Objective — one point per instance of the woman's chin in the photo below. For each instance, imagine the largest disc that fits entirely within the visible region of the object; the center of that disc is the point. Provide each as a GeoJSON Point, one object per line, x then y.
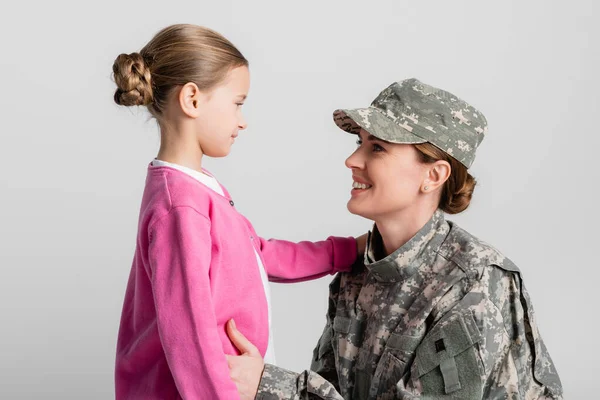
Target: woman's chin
{"type": "Point", "coordinates": [357, 209]}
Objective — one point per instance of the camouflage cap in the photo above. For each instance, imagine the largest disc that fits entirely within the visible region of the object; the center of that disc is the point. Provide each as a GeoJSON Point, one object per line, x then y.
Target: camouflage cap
{"type": "Point", "coordinates": [410, 111]}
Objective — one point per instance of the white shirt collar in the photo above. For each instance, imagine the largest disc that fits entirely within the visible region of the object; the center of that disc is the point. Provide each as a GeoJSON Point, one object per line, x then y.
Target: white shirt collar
{"type": "Point", "coordinates": [202, 177]}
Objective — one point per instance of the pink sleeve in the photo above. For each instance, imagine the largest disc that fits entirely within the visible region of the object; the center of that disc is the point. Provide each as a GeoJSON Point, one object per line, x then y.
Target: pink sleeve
{"type": "Point", "coordinates": [180, 255]}
{"type": "Point", "coordinates": [295, 262]}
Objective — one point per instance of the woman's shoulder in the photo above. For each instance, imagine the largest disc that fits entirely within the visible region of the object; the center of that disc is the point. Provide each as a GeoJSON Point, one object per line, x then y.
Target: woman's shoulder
{"type": "Point", "coordinates": [473, 254]}
{"type": "Point", "coordinates": [490, 274]}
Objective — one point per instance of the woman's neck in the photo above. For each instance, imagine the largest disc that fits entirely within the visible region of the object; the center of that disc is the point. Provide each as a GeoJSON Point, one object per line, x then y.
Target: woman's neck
{"type": "Point", "coordinates": [397, 230]}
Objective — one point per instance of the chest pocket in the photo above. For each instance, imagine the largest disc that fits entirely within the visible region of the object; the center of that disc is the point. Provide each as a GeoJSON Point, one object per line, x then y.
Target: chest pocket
{"type": "Point", "coordinates": [347, 336]}
{"type": "Point", "coordinates": [447, 361]}
{"type": "Point", "coordinates": [392, 366]}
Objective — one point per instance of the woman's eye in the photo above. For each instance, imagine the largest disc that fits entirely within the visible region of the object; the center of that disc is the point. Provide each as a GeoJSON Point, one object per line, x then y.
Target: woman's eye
{"type": "Point", "coordinates": [377, 148]}
{"type": "Point", "coordinates": [358, 142]}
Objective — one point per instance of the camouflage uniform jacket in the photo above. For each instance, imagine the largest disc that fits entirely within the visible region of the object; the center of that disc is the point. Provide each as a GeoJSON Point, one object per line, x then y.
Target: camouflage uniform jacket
{"type": "Point", "coordinates": [445, 316]}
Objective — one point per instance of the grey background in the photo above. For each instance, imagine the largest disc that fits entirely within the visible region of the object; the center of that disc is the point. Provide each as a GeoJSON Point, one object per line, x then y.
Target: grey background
{"type": "Point", "coordinates": [73, 163]}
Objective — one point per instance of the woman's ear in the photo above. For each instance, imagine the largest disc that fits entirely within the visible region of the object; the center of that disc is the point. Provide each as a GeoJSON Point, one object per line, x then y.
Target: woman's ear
{"type": "Point", "coordinates": [190, 98]}
{"type": "Point", "coordinates": [437, 174]}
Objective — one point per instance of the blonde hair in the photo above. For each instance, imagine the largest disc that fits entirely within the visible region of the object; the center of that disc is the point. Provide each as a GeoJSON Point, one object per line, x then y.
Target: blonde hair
{"type": "Point", "coordinates": [176, 55]}
{"type": "Point", "coordinates": [458, 189]}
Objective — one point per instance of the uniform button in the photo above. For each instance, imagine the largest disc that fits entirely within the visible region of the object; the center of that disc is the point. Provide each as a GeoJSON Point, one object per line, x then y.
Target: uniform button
{"type": "Point", "coordinates": [231, 202]}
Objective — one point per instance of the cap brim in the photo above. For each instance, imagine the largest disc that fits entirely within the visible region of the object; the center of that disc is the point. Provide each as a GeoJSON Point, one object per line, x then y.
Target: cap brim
{"type": "Point", "coordinates": [373, 121]}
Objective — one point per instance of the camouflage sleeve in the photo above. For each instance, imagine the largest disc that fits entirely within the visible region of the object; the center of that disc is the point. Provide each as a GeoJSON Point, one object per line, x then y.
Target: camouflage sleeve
{"type": "Point", "coordinates": [280, 384]}
{"type": "Point", "coordinates": [277, 383]}
{"type": "Point", "coordinates": [320, 382]}
{"type": "Point", "coordinates": [516, 361]}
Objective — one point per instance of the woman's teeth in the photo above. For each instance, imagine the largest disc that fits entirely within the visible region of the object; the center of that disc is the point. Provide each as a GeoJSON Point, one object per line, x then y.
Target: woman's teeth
{"type": "Point", "coordinates": [357, 185]}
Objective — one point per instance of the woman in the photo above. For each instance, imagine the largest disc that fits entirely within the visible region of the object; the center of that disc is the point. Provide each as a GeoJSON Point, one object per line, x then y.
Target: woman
{"type": "Point", "coordinates": [434, 312]}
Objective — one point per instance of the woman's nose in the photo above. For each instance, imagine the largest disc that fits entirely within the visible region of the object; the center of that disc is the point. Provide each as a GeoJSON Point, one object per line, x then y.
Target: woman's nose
{"type": "Point", "coordinates": [355, 160]}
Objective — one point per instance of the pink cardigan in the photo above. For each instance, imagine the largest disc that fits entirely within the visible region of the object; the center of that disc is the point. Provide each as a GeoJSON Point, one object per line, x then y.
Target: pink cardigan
{"type": "Point", "coordinates": [194, 269]}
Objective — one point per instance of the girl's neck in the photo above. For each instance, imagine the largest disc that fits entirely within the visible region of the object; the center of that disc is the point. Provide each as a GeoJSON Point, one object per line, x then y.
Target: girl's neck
{"type": "Point", "coordinates": [180, 149]}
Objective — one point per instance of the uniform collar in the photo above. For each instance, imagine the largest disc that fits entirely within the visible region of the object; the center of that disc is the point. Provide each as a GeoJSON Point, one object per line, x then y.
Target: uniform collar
{"type": "Point", "coordinates": [406, 260]}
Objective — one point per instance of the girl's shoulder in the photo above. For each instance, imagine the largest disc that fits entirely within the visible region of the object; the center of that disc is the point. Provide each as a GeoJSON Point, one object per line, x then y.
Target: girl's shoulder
{"type": "Point", "coordinates": [175, 188]}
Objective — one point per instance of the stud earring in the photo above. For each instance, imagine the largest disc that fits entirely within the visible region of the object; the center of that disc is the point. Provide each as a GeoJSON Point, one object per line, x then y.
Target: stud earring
{"type": "Point", "coordinates": [426, 188]}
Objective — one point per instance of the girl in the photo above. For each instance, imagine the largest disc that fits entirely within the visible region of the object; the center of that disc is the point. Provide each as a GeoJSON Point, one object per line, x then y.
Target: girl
{"type": "Point", "coordinates": [198, 263]}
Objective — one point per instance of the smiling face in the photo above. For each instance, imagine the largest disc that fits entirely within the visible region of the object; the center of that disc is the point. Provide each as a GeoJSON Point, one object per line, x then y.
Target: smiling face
{"type": "Point", "coordinates": [388, 178]}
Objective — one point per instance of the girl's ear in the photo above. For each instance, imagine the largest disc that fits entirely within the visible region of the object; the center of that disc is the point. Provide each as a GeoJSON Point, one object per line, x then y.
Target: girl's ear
{"type": "Point", "coordinates": [190, 99]}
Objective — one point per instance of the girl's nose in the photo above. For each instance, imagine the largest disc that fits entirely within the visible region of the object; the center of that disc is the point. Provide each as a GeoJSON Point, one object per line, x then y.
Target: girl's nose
{"type": "Point", "coordinates": [242, 124]}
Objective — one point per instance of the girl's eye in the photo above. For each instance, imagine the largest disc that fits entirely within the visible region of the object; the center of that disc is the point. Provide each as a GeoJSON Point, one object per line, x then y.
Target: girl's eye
{"type": "Point", "coordinates": [377, 148]}
{"type": "Point", "coordinates": [358, 142]}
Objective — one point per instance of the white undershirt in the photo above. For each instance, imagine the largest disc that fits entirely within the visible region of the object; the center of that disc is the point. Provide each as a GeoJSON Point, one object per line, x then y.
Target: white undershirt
{"type": "Point", "coordinates": [213, 184]}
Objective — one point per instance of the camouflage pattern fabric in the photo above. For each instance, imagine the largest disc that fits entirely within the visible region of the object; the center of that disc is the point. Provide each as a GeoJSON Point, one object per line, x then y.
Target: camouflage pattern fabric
{"type": "Point", "coordinates": [446, 316]}
{"type": "Point", "coordinates": [410, 111]}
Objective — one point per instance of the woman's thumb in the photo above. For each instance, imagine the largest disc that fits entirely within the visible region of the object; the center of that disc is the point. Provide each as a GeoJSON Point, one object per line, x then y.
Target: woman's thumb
{"type": "Point", "coordinates": [240, 341]}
